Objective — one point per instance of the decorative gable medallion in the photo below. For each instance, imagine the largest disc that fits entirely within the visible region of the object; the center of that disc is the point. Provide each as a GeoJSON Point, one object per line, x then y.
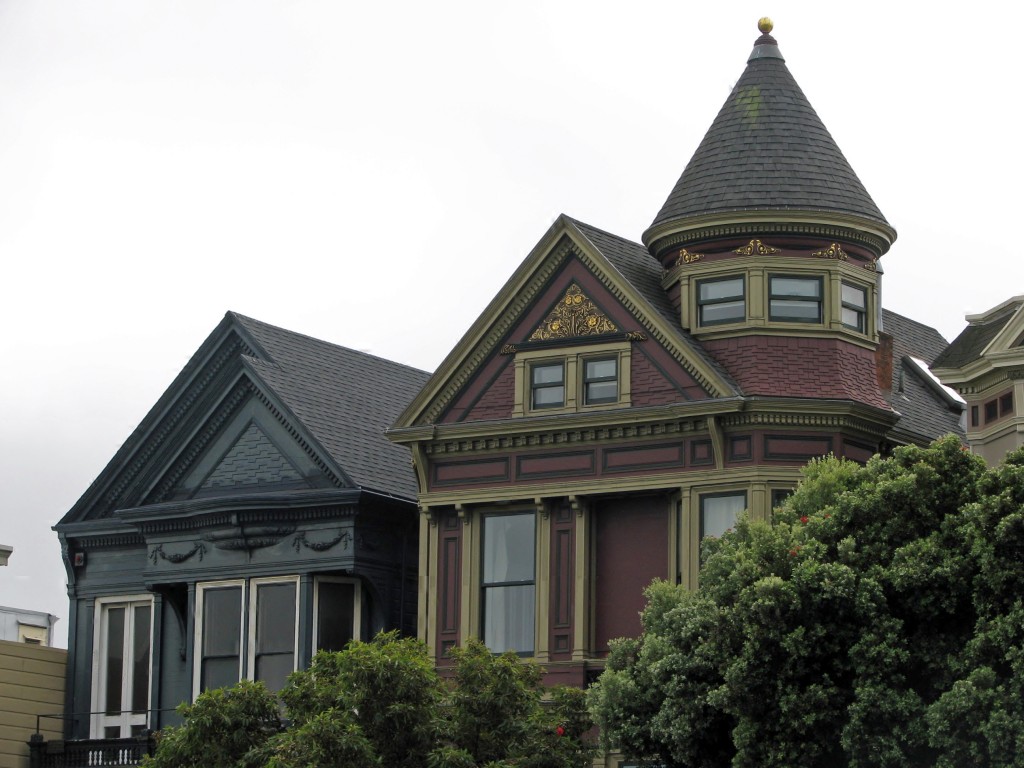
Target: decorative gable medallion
{"type": "Point", "coordinates": [574, 315]}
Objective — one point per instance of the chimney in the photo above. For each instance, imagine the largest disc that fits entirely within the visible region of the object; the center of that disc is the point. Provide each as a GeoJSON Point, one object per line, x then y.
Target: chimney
{"type": "Point", "coordinates": [883, 362]}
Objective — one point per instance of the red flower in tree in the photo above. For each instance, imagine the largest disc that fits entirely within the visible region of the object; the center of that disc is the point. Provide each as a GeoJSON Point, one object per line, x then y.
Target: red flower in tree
{"type": "Point", "coordinates": [560, 730]}
{"type": "Point", "coordinates": [804, 519]}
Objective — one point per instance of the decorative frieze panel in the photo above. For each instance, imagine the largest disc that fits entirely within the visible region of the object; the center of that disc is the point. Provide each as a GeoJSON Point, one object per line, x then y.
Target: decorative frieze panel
{"type": "Point", "coordinates": [574, 315]}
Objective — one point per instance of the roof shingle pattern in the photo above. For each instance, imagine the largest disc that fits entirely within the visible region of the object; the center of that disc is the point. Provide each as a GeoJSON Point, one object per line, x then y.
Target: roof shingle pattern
{"type": "Point", "coordinates": [767, 150]}
{"type": "Point", "coordinates": [346, 399]}
{"type": "Point", "coordinates": [972, 341]}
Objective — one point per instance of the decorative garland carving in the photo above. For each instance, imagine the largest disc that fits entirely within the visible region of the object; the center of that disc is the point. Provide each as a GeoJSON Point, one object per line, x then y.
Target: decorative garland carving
{"type": "Point", "coordinates": [257, 538]}
{"type": "Point", "coordinates": [685, 257]}
{"type": "Point", "coordinates": [574, 315]}
{"type": "Point", "coordinates": [509, 349]}
{"type": "Point", "coordinates": [158, 553]}
{"type": "Point", "coordinates": [322, 546]}
{"type": "Point", "coordinates": [756, 247]}
{"type": "Point", "coordinates": [872, 265]}
{"type": "Point", "coordinates": [834, 251]}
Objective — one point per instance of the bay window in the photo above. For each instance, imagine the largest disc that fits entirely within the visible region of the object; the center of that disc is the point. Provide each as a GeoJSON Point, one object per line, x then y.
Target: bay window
{"type": "Point", "coordinates": [719, 512]}
{"type": "Point", "coordinates": [855, 304]}
{"type": "Point", "coordinates": [721, 301]}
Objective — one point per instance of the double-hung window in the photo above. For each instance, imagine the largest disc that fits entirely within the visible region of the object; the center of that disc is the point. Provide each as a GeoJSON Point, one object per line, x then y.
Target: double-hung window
{"type": "Point", "coordinates": [272, 608]}
{"type": "Point", "coordinates": [719, 512]}
{"type": "Point", "coordinates": [601, 380]}
{"type": "Point", "coordinates": [795, 299]}
{"type": "Point", "coordinates": [508, 582]}
{"type": "Point", "coordinates": [547, 385]}
{"type": "Point", "coordinates": [855, 305]}
{"type": "Point", "coordinates": [721, 301]}
{"type": "Point", "coordinates": [122, 667]}
{"type": "Point", "coordinates": [219, 646]}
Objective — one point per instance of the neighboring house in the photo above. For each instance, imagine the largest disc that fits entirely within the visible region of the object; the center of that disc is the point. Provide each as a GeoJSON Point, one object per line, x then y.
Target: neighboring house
{"type": "Point", "coordinates": [19, 625]}
{"type": "Point", "coordinates": [618, 402]}
{"type": "Point", "coordinates": [31, 687]}
{"type": "Point", "coordinates": [5, 553]}
{"type": "Point", "coordinates": [256, 515]}
{"type": "Point", "coordinates": [985, 364]}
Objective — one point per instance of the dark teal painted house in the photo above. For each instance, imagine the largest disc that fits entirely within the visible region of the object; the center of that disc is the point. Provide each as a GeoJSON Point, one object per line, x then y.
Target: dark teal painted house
{"type": "Point", "coordinates": [256, 515]}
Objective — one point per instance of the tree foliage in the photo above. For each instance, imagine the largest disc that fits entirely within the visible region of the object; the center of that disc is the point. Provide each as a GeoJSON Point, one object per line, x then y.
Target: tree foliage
{"type": "Point", "coordinates": [878, 621]}
{"type": "Point", "coordinates": [383, 704]}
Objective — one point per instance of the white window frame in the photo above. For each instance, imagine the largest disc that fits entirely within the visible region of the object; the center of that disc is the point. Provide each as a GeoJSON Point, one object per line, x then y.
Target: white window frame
{"type": "Point", "coordinates": [249, 621]}
{"type": "Point", "coordinates": [357, 606]}
{"type": "Point", "coordinates": [197, 646]}
{"type": "Point", "coordinates": [125, 720]}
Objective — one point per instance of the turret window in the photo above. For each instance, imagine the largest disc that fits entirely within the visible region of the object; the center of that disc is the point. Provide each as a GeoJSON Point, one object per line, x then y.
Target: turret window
{"type": "Point", "coordinates": [721, 301]}
{"type": "Point", "coordinates": [855, 303]}
{"type": "Point", "coordinates": [795, 299]}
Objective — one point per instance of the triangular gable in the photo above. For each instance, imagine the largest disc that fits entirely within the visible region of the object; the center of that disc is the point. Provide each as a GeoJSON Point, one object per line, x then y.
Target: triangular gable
{"type": "Point", "coordinates": [525, 293]}
{"type": "Point", "coordinates": [1011, 337]}
{"type": "Point", "coordinates": [217, 413]}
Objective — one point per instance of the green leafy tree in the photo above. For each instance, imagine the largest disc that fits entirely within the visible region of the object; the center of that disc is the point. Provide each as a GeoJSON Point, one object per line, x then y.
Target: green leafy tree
{"type": "Point", "coordinates": [382, 704]}
{"type": "Point", "coordinates": [876, 622]}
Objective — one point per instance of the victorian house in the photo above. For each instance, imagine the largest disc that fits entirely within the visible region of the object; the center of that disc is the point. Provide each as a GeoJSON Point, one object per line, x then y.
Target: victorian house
{"type": "Point", "coordinates": [257, 514]}
{"type": "Point", "coordinates": [619, 401]}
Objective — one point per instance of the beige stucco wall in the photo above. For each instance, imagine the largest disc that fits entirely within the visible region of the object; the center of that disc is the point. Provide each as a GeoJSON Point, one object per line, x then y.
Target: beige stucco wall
{"type": "Point", "coordinates": [31, 683]}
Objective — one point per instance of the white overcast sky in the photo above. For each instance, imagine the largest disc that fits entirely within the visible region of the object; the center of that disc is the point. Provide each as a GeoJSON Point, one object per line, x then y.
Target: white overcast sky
{"type": "Point", "coordinates": [370, 173]}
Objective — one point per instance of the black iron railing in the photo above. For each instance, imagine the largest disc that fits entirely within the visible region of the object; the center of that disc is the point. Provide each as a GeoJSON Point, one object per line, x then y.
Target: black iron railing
{"type": "Point", "coordinates": [87, 753]}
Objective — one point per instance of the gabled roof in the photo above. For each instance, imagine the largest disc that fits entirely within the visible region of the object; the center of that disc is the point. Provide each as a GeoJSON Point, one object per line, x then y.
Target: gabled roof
{"type": "Point", "coordinates": [976, 338]}
{"type": "Point", "coordinates": [628, 266]}
{"type": "Point", "coordinates": [345, 398]}
{"type": "Point", "coordinates": [767, 150]}
{"type": "Point", "coordinates": [335, 401]}
{"type": "Point", "coordinates": [925, 412]}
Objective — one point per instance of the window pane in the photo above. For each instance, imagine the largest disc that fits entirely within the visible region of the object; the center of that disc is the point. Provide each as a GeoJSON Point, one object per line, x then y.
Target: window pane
{"type": "Point", "coordinates": [721, 289]}
{"type": "Point", "coordinates": [548, 397]}
{"type": "Point", "coordinates": [602, 392]}
{"type": "Point", "coordinates": [853, 319]}
{"type": "Point", "coordinates": [114, 660]}
{"type": "Point", "coordinates": [508, 619]}
{"type": "Point", "coordinates": [548, 374]}
{"type": "Point", "coordinates": [601, 369]}
{"type": "Point", "coordinates": [795, 286]}
{"type": "Point", "coordinates": [140, 660]}
{"type": "Point", "coordinates": [222, 621]}
{"type": "Point", "coordinates": [219, 672]}
{"type": "Point", "coordinates": [720, 313]}
{"type": "Point", "coordinates": [273, 669]}
{"type": "Point", "coordinates": [275, 618]}
{"type": "Point", "coordinates": [797, 310]}
{"type": "Point", "coordinates": [855, 297]}
{"type": "Point", "coordinates": [719, 513]}
{"type": "Point", "coordinates": [508, 548]}
{"type": "Point", "coordinates": [335, 612]}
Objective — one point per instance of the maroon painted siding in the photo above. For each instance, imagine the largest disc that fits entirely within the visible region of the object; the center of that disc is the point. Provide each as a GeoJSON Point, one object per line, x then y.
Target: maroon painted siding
{"type": "Point", "coordinates": [657, 379]}
{"type": "Point", "coordinates": [795, 367]}
{"type": "Point", "coordinates": [630, 550]}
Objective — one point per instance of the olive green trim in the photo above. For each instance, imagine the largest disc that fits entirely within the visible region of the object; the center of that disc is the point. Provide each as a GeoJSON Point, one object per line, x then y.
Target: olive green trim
{"type": "Point", "coordinates": [668, 482]}
{"type": "Point", "coordinates": [875, 235]}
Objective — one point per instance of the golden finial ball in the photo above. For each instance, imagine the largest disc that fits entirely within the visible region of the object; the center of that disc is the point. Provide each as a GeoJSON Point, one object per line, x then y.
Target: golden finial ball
{"type": "Point", "coordinates": [765, 25]}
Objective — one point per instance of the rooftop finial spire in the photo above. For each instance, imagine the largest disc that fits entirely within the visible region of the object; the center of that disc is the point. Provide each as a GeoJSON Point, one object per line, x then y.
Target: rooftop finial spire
{"type": "Point", "coordinates": [765, 25]}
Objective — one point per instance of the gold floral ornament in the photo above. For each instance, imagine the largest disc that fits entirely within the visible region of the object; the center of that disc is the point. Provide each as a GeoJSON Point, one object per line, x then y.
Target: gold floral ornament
{"type": "Point", "coordinates": [574, 315]}
{"type": "Point", "coordinates": [756, 246]}
{"type": "Point", "coordinates": [685, 257]}
{"type": "Point", "coordinates": [834, 251]}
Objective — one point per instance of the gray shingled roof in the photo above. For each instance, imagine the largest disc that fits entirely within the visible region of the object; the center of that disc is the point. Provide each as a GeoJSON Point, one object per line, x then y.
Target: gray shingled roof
{"type": "Point", "coordinates": [346, 399]}
{"type": "Point", "coordinates": [924, 413]}
{"type": "Point", "coordinates": [767, 149]}
{"type": "Point", "coordinates": [644, 272]}
{"type": "Point", "coordinates": [968, 346]}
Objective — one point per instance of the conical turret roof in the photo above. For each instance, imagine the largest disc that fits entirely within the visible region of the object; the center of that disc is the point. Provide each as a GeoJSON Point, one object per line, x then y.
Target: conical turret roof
{"type": "Point", "coordinates": [767, 151]}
